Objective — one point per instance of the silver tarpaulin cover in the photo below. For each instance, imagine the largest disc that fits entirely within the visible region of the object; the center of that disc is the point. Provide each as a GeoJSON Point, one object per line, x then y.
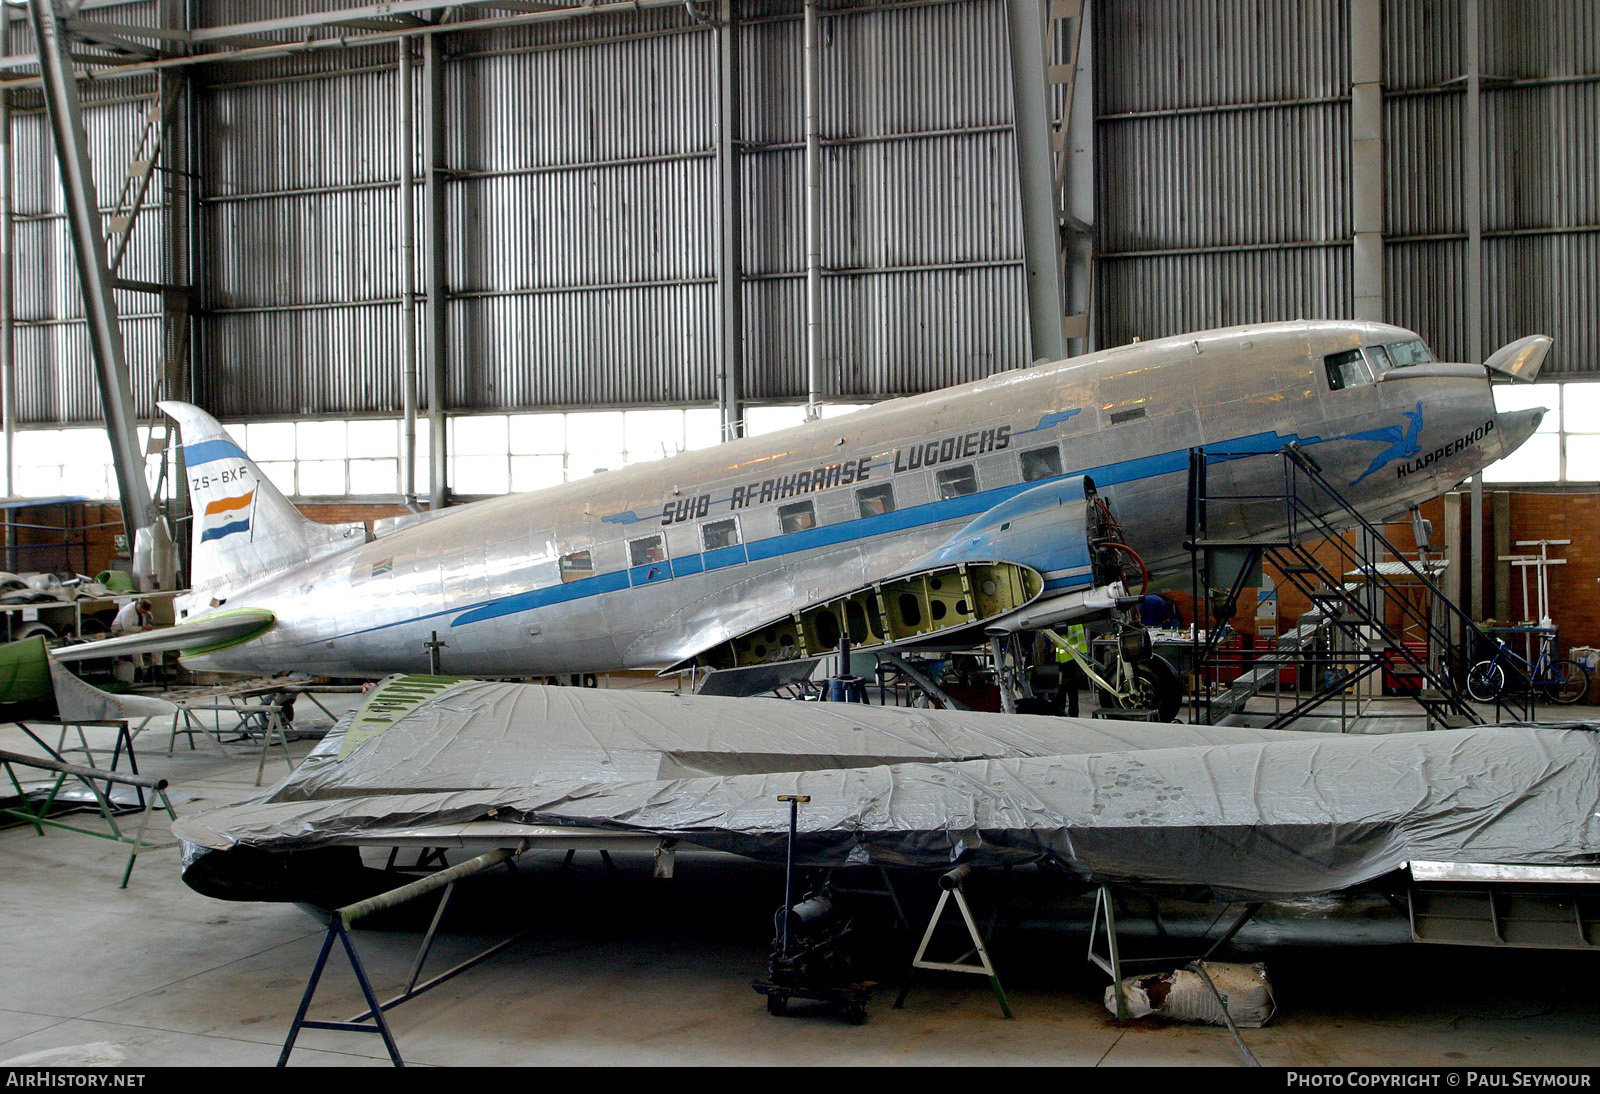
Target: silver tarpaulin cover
{"type": "Point", "coordinates": [1237, 810]}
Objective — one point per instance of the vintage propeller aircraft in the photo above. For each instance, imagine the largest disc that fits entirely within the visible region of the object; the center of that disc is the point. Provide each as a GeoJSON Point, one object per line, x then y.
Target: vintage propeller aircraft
{"type": "Point", "coordinates": [979, 510]}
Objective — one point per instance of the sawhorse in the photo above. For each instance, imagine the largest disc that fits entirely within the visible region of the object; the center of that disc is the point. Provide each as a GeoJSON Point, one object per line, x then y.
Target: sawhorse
{"type": "Point", "coordinates": [90, 777]}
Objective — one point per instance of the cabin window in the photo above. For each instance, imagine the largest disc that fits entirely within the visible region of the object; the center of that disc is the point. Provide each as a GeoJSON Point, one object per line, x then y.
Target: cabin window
{"type": "Point", "coordinates": [956, 482]}
{"type": "Point", "coordinates": [577, 566]}
{"type": "Point", "coordinates": [797, 517]}
{"type": "Point", "coordinates": [649, 549]}
{"type": "Point", "coordinates": [1347, 369]}
{"type": "Point", "coordinates": [1409, 353]}
{"type": "Point", "coordinates": [1041, 463]}
{"type": "Point", "coordinates": [872, 501]}
{"type": "Point", "coordinates": [720, 533]}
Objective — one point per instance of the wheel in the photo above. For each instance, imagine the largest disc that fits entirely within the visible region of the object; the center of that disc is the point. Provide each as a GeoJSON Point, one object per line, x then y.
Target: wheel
{"type": "Point", "coordinates": [777, 1005]}
{"type": "Point", "coordinates": [1157, 687]}
{"type": "Point", "coordinates": [1568, 683]}
{"type": "Point", "coordinates": [1485, 681]}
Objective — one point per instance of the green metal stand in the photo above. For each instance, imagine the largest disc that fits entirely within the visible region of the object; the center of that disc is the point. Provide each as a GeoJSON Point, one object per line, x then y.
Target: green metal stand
{"type": "Point", "coordinates": [91, 777]}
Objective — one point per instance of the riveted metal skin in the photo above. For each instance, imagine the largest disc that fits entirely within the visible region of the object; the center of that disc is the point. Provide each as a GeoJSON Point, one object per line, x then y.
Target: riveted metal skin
{"type": "Point", "coordinates": [655, 564]}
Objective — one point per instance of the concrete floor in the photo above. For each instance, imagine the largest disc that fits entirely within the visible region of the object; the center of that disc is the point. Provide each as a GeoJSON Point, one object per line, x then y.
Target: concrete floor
{"type": "Point", "coordinates": [620, 968]}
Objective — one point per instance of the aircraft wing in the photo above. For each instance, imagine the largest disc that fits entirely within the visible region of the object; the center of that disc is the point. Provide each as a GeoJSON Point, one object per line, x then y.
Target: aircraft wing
{"type": "Point", "coordinates": [197, 636]}
{"type": "Point", "coordinates": [476, 763]}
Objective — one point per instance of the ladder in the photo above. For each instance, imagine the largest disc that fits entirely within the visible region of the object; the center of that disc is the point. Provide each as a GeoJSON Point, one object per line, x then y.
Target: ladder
{"type": "Point", "coordinates": [1313, 517]}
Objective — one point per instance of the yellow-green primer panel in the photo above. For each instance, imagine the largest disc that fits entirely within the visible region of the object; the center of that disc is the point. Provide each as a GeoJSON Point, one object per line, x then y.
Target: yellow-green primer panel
{"type": "Point", "coordinates": [24, 671]}
{"type": "Point", "coordinates": [260, 617]}
{"type": "Point", "coordinates": [392, 699]}
{"type": "Point", "coordinates": [911, 607]}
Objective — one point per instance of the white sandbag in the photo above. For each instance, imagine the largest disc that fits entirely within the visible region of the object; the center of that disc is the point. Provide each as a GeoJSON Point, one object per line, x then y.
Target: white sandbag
{"type": "Point", "coordinates": [1182, 995]}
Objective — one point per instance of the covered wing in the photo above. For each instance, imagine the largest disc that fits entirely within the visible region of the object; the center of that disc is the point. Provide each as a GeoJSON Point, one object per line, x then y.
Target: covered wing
{"type": "Point", "coordinates": [1230, 809]}
{"type": "Point", "coordinates": [202, 635]}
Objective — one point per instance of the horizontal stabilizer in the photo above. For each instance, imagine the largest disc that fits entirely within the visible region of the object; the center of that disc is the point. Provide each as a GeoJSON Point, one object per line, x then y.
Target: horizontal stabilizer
{"type": "Point", "coordinates": [200, 636]}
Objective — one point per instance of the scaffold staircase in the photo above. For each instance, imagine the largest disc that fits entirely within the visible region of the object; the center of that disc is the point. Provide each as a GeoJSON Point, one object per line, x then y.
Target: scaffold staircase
{"type": "Point", "coordinates": [1347, 637]}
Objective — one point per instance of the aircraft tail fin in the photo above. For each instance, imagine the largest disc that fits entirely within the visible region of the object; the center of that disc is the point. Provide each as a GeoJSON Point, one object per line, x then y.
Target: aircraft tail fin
{"type": "Point", "coordinates": [244, 528]}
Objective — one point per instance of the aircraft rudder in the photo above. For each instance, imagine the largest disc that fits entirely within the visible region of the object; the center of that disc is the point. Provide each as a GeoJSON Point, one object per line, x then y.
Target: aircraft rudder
{"type": "Point", "coordinates": [244, 527]}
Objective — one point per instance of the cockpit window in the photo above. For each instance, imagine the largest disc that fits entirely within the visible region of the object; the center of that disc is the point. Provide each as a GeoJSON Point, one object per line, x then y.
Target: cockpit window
{"type": "Point", "coordinates": [1347, 369]}
{"type": "Point", "coordinates": [1378, 358]}
{"type": "Point", "coordinates": [1409, 353]}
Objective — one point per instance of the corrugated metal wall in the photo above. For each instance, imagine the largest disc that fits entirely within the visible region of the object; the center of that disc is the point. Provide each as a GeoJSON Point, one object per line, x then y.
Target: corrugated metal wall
{"type": "Point", "coordinates": [582, 200]}
{"type": "Point", "coordinates": [1223, 131]}
{"type": "Point", "coordinates": [1223, 139]}
{"type": "Point", "coordinates": [582, 215]}
{"type": "Point", "coordinates": [55, 369]}
{"type": "Point", "coordinates": [1541, 113]}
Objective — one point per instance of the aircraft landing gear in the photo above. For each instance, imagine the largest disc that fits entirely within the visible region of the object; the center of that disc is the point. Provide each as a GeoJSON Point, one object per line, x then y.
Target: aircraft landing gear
{"type": "Point", "coordinates": [1155, 686]}
{"type": "Point", "coordinates": [1135, 678]}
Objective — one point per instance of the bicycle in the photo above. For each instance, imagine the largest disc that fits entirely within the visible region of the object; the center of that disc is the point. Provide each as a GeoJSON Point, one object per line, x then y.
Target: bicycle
{"type": "Point", "coordinates": [1558, 679]}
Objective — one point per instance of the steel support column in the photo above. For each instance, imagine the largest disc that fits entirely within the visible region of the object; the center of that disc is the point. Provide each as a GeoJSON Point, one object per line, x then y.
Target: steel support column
{"type": "Point", "coordinates": [730, 304]}
{"type": "Point", "coordinates": [8, 363]}
{"type": "Point", "coordinates": [406, 211]}
{"type": "Point", "coordinates": [1366, 156]}
{"type": "Point", "coordinates": [83, 215]}
{"type": "Point", "coordinates": [180, 210]}
{"type": "Point", "coordinates": [436, 270]}
{"type": "Point", "coordinates": [813, 168]}
{"type": "Point", "coordinates": [1472, 161]}
{"type": "Point", "coordinates": [1041, 211]}
{"type": "Point", "coordinates": [1074, 143]}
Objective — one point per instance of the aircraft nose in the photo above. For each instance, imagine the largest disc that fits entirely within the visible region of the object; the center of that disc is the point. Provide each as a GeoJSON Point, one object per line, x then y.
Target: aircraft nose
{"type": "Point", "coordinates": [1515, 426]}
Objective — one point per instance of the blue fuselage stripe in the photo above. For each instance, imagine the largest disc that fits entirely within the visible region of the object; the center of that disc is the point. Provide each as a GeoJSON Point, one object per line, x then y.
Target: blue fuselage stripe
{"type": "Point", "coordinates": [811, 539]}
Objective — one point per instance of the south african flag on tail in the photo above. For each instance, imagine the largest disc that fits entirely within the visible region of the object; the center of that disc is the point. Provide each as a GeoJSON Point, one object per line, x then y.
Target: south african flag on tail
{"type": "Point", "coordinates": [225, 516]}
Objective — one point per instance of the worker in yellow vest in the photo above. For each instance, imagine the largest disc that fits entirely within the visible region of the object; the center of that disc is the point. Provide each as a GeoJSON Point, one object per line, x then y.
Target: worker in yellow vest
{"type": "Point", "coordinates": [1072, 678]}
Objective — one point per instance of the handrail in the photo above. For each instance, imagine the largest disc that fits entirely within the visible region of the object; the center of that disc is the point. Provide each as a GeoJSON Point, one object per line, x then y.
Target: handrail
{"type": "Point", "coordinates": [1303, 515]}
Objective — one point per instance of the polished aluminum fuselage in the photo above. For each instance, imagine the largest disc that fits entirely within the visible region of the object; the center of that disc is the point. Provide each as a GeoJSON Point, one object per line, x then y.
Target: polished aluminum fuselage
{"type": "Point", "coordinates": [486, 577]}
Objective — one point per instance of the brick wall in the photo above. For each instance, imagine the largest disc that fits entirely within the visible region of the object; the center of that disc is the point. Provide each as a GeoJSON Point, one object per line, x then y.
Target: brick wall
{"type": "Point", "coordinates": [1575, 587]}
{"type": "Point", "coordinates": [1292, 604]}
{"type": "Point", "coordinates": [101, 522]}
{"type": "Point", "coordinates": [70, 538]}
{"type": "Point", "coordinates": [349, 512]}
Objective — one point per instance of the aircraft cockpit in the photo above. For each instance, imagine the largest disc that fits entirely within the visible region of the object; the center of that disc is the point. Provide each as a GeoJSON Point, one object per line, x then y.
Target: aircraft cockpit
{"type": "Point", "coordinates": [1354, 367]}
